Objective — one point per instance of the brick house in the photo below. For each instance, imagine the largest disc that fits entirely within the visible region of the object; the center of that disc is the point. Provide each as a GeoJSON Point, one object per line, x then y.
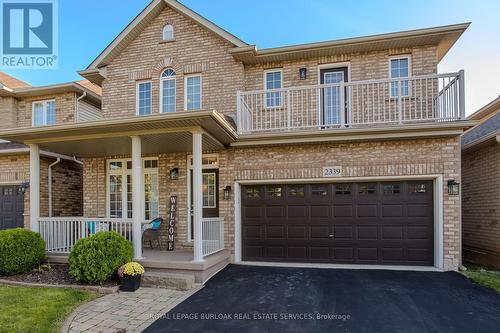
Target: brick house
{"type": "Point", "coordinates": [481, 187]}
{"type": "Point", "coordinates": [61, 177]}
{"type": "Point", "coordinates": [336, 152]}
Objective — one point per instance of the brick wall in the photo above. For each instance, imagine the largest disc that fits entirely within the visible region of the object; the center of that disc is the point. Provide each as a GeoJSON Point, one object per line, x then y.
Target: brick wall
{"type": "Point", "coordinates": [370, 159]}
{"type": "Point", "coordinates": [195, 50]}
{"type": "Point", "coordinates": [65, 108]}
{"type": "Point", "coordinates": [8, 109]}
{"type": "Point", "coordinates": [481, 205]}
{"type": "Point", "coordinates": [66, 184]}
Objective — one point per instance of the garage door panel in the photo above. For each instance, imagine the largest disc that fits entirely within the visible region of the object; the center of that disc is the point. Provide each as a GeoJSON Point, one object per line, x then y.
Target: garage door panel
{"type": "Point", "coordinates": [367, 210]}
{"type": "Point", "coordinates": [275, 232]}
{"type": "Point", "coordinates": [320, 232]}
{"type": "Point", "coordinates": [370, 223]}
{"type": "Point", "coordinates": [343, 232]}
{"type": "Point", "coordinates": [275, 211]}
{"type": "Point", "coordinates": [366, 232]}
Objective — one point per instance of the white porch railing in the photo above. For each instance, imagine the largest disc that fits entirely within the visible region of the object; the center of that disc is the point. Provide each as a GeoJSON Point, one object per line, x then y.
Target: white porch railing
{"type": "Point", "coordinates": [61, 233]}
{"type": "Point", "coordinates": [212, 235]}
{"type": "Point", "coordinates": [418, 99]}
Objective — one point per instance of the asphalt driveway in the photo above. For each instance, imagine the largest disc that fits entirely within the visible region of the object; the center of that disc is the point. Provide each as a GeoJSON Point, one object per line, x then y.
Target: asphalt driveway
{"type": "Point", "coordinates": [272, 299]}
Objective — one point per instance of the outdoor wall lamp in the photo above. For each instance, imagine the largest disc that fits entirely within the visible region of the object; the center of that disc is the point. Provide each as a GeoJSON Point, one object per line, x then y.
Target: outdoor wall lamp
{"type": "Point", "coordinates": [24, 187]}
{"type": "Point", "coordinates": [453, 187]}
{"type": "Point", "coordinates": [303, 73]}
{"type": "Point", "coordinates": [174, 174]}
{"type": "Point", "coordinates": [227, 192]}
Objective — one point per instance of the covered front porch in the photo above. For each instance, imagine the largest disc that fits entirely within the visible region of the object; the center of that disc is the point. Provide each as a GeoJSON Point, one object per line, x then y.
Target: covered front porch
{"type": "Point", "coordinates": [135, 142]}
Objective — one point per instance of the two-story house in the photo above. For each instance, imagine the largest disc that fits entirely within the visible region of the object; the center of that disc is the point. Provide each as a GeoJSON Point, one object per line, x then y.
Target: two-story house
{"type": "Point", "coordinates": [337, 152]}
{"type": "Point", "coordinates": [61, 176]}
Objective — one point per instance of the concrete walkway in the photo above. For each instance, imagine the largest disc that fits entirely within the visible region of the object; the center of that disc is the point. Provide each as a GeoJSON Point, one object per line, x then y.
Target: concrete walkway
{"type": "Point", "coordinates": [124, 311]}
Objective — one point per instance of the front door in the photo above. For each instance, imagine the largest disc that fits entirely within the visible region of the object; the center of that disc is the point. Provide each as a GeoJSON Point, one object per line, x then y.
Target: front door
{"type": "Point", "coordinates": [333, 98]}
{"type": "Point", "coordinates": [210, 194]}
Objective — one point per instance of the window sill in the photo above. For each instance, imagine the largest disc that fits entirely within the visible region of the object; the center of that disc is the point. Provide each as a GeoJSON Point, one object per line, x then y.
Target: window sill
{"type": "Point", "coordinates": [166, 41]}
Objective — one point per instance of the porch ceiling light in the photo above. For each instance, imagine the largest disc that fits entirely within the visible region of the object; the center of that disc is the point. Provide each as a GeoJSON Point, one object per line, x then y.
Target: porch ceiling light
{"type": "Point", "coordinates": [227, 192]}
{"type": "Point", "coordinates": [453, 187]}
{"type": "Point", "coordinates": [174, 174]}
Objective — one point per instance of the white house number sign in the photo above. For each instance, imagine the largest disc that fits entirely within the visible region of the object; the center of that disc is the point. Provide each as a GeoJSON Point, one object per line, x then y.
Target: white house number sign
{"type": "Point", "coordinates": [333, 171]}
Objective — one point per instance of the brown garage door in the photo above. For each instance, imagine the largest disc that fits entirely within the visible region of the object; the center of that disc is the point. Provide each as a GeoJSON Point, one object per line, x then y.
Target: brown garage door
{"type": "Point", "coordinates": [11, 207]}
{"type": "Point", "coordinates": [389, 223]}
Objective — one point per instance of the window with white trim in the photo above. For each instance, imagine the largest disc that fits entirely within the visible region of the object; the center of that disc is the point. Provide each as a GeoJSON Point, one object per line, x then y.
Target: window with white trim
{"type": "Point", "coordinates": [209, 190]}
{"type": "Point", "coordinates": [144, 98]}
{"type": "Point", "coordinates": [44, 113]}
{"type": "Point", "coordinates": [193, 92]}
{"type": "Point", "coordinates": [168, 91]}
{"type": "Point", "coordinates": [120, 178]}
{"type": "Point", "coordinates": [273, 80]}
{"type": "Point", "coordinates": [168, 32]}
{"type": "Point", "coordinates": [400, 68]}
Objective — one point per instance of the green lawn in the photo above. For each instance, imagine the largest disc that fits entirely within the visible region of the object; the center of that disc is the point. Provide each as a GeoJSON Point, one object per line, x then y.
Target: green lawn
{"type": "Point", "coordinates": [485, 276]}
{"type": "Point", "coordinates": [37, 309]}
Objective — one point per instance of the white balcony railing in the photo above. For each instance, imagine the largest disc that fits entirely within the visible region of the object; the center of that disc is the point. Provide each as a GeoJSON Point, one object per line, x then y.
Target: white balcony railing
{"type": "Point", "coordinates": [61, 233]}
{"type": "Point", "coordinates": [212, 235]}
{"type": "Point", "coordinates": [418, 99]}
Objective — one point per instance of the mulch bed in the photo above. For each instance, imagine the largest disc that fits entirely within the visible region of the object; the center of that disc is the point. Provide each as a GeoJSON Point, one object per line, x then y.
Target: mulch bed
{"type": "Point", "coordinates": [58, 275]}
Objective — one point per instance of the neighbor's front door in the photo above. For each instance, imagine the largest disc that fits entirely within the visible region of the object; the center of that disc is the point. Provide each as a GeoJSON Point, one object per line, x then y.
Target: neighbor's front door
{"type": "Point", "coordinates": [333, 98]}
{"type": "Point", "coordinates": [210, 194]}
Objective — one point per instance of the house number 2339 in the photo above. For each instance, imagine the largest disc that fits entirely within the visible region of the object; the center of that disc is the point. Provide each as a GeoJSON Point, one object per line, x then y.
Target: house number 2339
{"type": "Point", "coordinates": [334, 171]}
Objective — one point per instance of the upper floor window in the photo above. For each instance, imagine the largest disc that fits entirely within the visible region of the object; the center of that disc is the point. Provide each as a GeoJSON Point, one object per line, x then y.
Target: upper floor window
{"type": "Point", "coordinates": [167, 91]}
{"type": "Point", "coordinates": [400, 68]}
{"type": "Point", "coordinates": [143, 98]}
{"type": "Point", "coordinates": [168, 32]}
{"type": "Point", "coordinates": [273, 80]}
{"type": "Point", "coordinates": [44, 113]}
{"type": "Point", "coordinates": [193, 92]}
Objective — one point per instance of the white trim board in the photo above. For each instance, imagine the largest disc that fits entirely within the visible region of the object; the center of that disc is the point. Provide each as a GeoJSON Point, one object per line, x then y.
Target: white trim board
{"type": "Point", "coordinates": [437, 198]}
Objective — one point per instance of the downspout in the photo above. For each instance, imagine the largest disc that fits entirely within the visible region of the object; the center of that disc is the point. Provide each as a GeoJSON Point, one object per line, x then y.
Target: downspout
{"type": "Point", "coordinates": [77, 110]}
{"type": "Point", "coordinates": [50, 184]}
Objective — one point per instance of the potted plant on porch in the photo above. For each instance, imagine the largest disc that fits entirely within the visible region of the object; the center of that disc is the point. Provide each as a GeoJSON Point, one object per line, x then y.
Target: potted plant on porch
{"type": "Point", "coordinates": [130, 276]}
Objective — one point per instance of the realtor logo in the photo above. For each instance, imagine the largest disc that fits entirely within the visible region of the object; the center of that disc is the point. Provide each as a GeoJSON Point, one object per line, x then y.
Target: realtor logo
{"type": "Point", "coordinates": [29, 34]}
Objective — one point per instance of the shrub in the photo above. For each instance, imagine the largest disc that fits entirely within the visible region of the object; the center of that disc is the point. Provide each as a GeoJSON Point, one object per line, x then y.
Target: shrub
{"type": "Point", "coordinates": [20, 251]}
{"type": "Point", "coordinates": [97, 258]}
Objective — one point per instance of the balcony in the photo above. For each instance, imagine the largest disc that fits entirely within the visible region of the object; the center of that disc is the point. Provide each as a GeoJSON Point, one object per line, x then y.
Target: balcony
{"type": "Point", "coordinates": [375, 103]}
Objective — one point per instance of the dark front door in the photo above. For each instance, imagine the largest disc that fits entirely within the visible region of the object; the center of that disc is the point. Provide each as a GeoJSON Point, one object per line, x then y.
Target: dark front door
{"type": "Point", "coordinates": [333, 99]}
{"type": "Point", "coordinates": [210, 194]}
{"type": "Point", "coordinates": [385, 223]}
{"type": "Point", "coordinates": [11, 207]}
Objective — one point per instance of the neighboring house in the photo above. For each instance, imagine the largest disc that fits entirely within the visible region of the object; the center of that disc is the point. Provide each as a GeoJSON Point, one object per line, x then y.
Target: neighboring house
{"type": "Point", "coordinates": [331, 152]}
{"type": "Point", "coordinates": [22, 106]}
{"type": "Point", "coordinates": [481, 187]}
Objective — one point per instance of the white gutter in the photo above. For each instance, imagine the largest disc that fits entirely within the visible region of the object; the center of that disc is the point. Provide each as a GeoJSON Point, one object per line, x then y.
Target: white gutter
{"type": "Point", "coordinates": [42, 152]}
{"type": "Point", "coordinates": [50, 184]}
{"type": "Point", "coordinates": [77, 109]}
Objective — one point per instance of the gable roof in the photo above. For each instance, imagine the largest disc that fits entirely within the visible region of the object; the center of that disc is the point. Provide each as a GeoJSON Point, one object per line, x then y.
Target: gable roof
{"type": "Point", "coordinates": [11, 82]}
{"type": "Point", "coordinates": [144, 18]}
{"type": "Point", "coordinates": [487, 110]}
{"type": "Point", "coordinates": [488, 128]}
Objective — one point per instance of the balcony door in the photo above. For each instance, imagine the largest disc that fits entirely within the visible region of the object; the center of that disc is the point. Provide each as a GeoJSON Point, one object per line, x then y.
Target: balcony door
{"type": "Point", "coordinates": [333, 99]}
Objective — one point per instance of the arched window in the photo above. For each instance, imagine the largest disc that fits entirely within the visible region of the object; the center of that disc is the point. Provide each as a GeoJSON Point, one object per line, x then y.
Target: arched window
{"type": "Point", "coordinates": [167, 91]}
{"type": "Point", "coordinates": [168, 32]}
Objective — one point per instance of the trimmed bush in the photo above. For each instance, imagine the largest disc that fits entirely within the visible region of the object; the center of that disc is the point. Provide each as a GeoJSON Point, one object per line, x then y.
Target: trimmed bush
{"type": "Point", "coordinates": [20, 251]}
{"type": "Point", "coordinates": [96, 259]}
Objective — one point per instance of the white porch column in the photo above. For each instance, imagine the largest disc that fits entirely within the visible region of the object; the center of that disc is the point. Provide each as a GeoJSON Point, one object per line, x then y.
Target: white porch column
{"type": "Point", "coordinates": [197, 196]}
{"type": "Point", "coordinates": [34, 186]}
{"type": "Point", "coordinates": [137, 200]}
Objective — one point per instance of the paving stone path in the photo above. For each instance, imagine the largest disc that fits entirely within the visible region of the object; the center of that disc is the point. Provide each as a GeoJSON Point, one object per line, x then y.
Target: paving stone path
{"type": "Point", "coordinates": [124, 311]}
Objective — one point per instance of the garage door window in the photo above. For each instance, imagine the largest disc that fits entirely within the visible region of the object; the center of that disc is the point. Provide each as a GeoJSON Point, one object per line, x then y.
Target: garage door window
{"type": "Point", "coordinates": [417, 188]}
{"type": "Point", "coordinates": [319, 190]}
{"type": "Point", "coordinates": [253, 192]}
{"type": "Point", "coordinates": [367, 189]}
{"type": "Point", "coordinates": [275, 191]}
{"type": "Point", "coordinates": [342, 189]}
{"type": "Point", "coordinates": [392, 189]}
{"type": "Point", "coordinates": [296, 191]}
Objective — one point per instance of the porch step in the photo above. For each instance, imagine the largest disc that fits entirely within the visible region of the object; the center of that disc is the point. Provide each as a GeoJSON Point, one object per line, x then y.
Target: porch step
{"type": "Point", "coordinates": [168, 280]}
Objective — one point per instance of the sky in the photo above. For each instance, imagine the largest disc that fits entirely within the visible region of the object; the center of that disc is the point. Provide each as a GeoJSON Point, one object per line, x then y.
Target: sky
{"type": "Point", "coordinates": [86, 27]}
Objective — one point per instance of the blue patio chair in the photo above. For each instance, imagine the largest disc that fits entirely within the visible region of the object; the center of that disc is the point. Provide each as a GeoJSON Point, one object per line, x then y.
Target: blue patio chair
{"type": "Point", "coordinates": [151, 231]}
